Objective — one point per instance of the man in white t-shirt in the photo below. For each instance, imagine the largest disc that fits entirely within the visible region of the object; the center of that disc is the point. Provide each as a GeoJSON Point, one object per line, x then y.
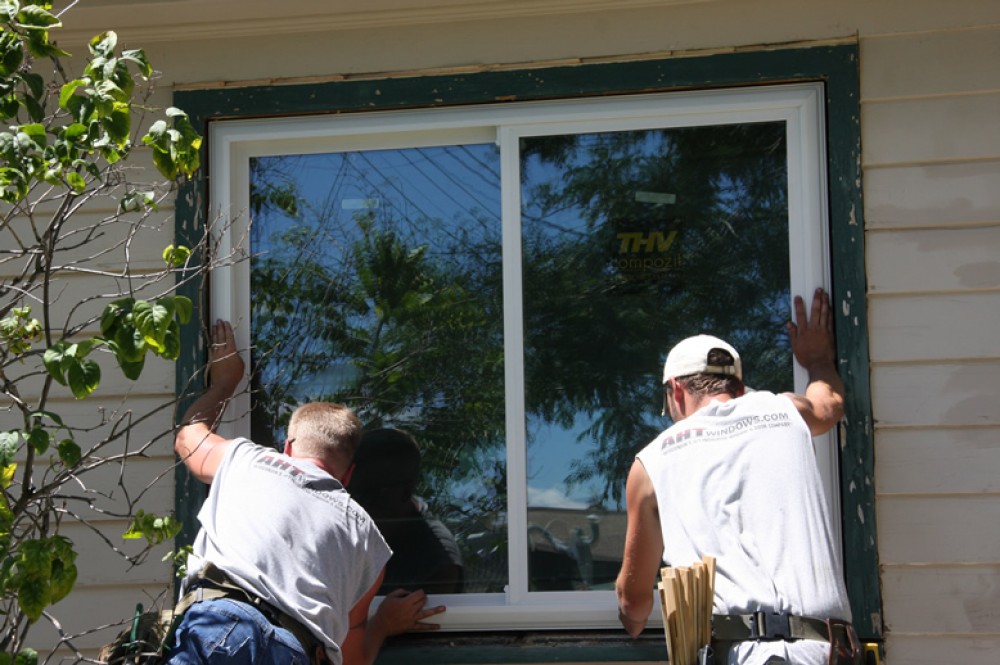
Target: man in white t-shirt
{"type": "Point", "coordinates": [286, 564]}
{"type": "Point", "coordinates": [735, 478]}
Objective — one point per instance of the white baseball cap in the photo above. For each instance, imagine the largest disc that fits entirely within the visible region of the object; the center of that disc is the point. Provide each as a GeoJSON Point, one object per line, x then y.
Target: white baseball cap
{"type": "Point", "coordinates": [690, 356]}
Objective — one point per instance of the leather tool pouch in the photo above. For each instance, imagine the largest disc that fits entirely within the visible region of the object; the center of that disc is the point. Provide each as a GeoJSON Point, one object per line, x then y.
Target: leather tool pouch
{"type": "Point", "coordinates": [845, 648]}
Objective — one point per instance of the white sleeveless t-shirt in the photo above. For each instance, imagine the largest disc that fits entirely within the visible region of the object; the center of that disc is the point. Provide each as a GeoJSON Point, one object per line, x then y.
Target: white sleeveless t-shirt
{"type": "Point", "coordinates": [288, 532]}
{"type": "Point", "coordinates": [738, 480]}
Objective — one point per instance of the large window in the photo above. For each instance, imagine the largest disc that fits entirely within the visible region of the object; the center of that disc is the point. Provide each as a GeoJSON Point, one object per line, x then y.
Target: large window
{"type": "Point", "coordinates": [503, 283]}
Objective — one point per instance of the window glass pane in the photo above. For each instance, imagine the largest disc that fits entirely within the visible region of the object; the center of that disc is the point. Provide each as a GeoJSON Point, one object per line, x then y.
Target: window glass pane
{"type": "Point", "coordinates": [632, 241]}
{"type": "Point", "coordinates": [376, 281]}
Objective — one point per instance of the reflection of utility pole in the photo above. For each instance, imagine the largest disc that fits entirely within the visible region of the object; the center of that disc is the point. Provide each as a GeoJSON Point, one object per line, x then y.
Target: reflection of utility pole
{"type": "Point", "coordinates": [578, 549]}
{"type": "Point", "coordinates": [582, 549]}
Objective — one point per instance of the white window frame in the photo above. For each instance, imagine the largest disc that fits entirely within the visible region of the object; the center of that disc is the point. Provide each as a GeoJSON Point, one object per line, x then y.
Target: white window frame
{"type": "Point", "coordinates": [800, 106]}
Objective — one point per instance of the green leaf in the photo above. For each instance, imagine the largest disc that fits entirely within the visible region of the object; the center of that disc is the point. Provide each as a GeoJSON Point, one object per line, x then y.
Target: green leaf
{"type": "Point", "coordinates": [9, 9]}
{"type": "Point", "coordinates": [132, 369]}
{"type": "Point", "coordinates": [152, 320]}
{"type": "Point", "coordinates": [184, 308]}
{"type": "Point", "coordinates": [70, 453]}
{"type": "Point", "coordinates": [104, 44]}
{"type": "Point", "coordinates": [172, 342]}
{"type": "Point", "coordinates": [151, 527]}
{"type": "Point", "coordinates": [33, 17]}
{"type": "Point", "coordinates": [76, 181]}
{"type": "Point", "coordinates": [35, 110]}
{"type": "Point", "coordinates": [11, 53]}
{"type": "Point", "coordinates": [68, 92]}
{"type": "Point", "coordinates": [74, 131]}
{"type": "Point", "coordinates": [40, 47]}
{"type": "Point", "coordinates": [113, 315]}
{"type": "Point", "coordinates": [135, 201]}
{"type": "Point", "coordinates": [36, 133]}
{"type": "Point", "coordinates": [9, 443]}
{"type": "Point", "coordinates": [33, 595]}
{"type": "Point", "coordinates": [138, 56]}
{"type": "Point", "coordinates": [54, 417]}
{"type": "Point", "coordinates": [118, 124]}
{"type": "Point", "coordinates": [64, 572]}
{"type": "Point", "coordinates": [6, 478]}
{"type": "Point", "coordinates": [35, 83]}
{"type": "Point", "coordinates": [176, 256]}
{"type": "Point", "coordinates": [83, 376]}
{"type": "Point", "coordinates": [26, 656]}
{"type": "Point", "coordinates": [53, 359]}
{"type": "Point", "coordinates": [38, 438]}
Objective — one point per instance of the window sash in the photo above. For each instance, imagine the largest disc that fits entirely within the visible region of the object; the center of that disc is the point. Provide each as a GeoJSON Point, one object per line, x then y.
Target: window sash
{"type": "Point", "coordinates": [799, 106]}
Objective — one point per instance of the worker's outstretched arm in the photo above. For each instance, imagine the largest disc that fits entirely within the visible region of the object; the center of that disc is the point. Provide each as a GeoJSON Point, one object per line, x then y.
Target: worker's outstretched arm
{"type": "Point", "coordinates": [811, 337]}
{"type": "Point", "coordinates": [196, 442]}
{"type": "Point", "coordinates": [399, 612]}
{"type": "Point", "coordinates": [643, 552]}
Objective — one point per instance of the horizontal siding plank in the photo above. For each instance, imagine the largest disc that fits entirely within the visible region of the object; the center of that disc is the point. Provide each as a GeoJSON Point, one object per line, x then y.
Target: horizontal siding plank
{"type": "Point", "coordinates": [99, 565]}
{"type": "Point", "coordinates": [100, 410]}
{"type": "Point", "coordinates": [933, 259]}
{"type": "Point", "coordinates": [941, 650]}
{"type": "Point", "coordinates": [950, 62]}
{"type": "Point", "coordinates": [925, 599]}
{"type": "Point", "coordinates": [928, 327]}
{"type": "Point", "coordinates": [936, 394]}
{"type": "Point", "coordinates": [929, 130]}
{"type": "Point", "coordinates": [934, 461]}
{"type": "Point", "coordinates": [112, 488]}
{"type": "Point", "coordinates": [956, 529]}
{"type": "Point", "coordinates": [932, 195]}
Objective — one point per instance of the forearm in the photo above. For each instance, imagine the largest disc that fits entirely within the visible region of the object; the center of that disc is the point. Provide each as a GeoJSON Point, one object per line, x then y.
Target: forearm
{"type": "Point", "coordinates": [633, 609]}
{"type": "Point", "coordinates": [207, 409]}
{"type": "Point", "coordinates": [363, 643]}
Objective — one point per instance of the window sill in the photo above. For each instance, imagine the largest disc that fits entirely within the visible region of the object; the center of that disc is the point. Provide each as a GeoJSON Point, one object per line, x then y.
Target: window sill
{"type": "Point", "coordinates": [483, 648]}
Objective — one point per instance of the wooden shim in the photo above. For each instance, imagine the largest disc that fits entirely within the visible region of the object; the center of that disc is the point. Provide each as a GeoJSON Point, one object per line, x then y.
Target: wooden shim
{"type": "Point", "coordinates": [665, 609]}
{"type": "Point", "coordinates": [709, 563]}
{"type": "Point", "coordinates": [677, 592]}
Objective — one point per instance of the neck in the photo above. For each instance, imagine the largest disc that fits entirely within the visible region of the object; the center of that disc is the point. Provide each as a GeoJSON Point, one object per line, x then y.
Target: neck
{"type": "Point", "coordinates": [323, 465]}
{"type": "Point", "coordinates": [697, 403]}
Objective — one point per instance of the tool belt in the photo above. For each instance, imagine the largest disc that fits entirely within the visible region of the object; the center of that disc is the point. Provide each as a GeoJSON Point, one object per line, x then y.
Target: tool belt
{"type": "Point", "coordinates": [845, 648]}
{"type": "Point", "coordinates": [212, 583]}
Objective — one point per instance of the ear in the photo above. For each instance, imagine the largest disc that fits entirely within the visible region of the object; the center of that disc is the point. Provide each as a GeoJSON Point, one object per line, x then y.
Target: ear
{"type": "Point", "coordinates": [288, 447]}
{"type": "Point", "coordinates": [681, 398]}
{"type": "Point", "coordinates": [346, 480]}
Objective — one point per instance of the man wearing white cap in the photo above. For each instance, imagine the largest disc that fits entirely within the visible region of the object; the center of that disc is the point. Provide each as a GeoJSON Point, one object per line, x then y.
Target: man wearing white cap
{"type": "Point", "coordinates": [735, 478]}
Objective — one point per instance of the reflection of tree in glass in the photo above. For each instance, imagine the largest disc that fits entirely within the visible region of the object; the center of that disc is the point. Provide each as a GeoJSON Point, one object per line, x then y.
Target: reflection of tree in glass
{"type": "Point", "coordinates": [595, 326]}
{"type": "Point", "coordinates": [361, 314]}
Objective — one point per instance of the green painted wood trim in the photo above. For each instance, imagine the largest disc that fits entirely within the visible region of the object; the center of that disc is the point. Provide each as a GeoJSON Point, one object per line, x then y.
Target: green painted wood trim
{"type": "Point", "coordinates": [190, 493]}
{"type": "Point", "coordinates": [857, 458]}
{"type": "Point", "coordinates": [836, 66]}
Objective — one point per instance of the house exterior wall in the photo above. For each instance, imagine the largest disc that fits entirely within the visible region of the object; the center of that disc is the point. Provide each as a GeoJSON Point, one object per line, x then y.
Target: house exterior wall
{"type": "Point", "coordinates": [930, 158]}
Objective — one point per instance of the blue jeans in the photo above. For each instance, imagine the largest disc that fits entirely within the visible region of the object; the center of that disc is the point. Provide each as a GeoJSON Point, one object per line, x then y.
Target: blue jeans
{"type": "Point", "coordinates": [227, 632]}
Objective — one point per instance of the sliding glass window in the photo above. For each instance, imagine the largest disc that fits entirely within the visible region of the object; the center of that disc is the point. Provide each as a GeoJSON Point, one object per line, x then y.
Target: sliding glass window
{"type": "Point", "coordinates": [502, 282]}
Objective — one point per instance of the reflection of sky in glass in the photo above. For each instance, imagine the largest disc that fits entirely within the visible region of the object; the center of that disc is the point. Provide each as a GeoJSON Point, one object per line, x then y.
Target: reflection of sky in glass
{"type": "Point", "coordinates": [443, 197]}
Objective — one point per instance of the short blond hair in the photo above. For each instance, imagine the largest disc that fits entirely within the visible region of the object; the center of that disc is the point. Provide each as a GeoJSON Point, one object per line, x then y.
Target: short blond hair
{"type": "Point", "coordinates": [324, 428]}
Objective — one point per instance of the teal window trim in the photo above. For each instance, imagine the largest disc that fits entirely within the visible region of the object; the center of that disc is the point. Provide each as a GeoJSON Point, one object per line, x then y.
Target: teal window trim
{"type": "Point", "coordinates": [836, 66]}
